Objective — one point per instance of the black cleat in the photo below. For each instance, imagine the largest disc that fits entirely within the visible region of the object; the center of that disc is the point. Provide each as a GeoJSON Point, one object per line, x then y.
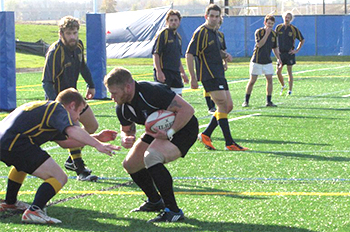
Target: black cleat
{"type": "Point", "coordinates": [270, 104]}
{"type": "Point", "coordinates": [148, 206]}
{"type": "Point", "coordinates": [169, 216]}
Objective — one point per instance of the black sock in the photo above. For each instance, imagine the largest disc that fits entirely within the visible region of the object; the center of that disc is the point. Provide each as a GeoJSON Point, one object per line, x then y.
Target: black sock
{"type": "Point", "coordinates": [12, 192]}
{"type": "Point", "coordinates": [144, 180]}
{"type": "Point", "coordinates": [223, 122]}
{"type": "Point", "coordinates": [164, 183]}
{"type": "Point", "coordinates": [44, 193]}
{"type": "Point", "coordinates": [268, 98]}
{"type": "Point", "coordinates": [211, 127]}
{"type": "Point", "coordinates": [210, 102]}
{"type": "Point", "coordinates": [247, 97]}
{"type": "Point", "coordinates": [79, 163]}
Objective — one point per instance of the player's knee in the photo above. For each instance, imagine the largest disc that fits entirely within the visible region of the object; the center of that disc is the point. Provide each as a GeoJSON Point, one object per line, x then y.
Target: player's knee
{"type": "Point", "coordinates": [92, 128]}
{"type": "Point", "coordinates": [62, 178]}
{"type": "Point", "coordinates": [153, 157]}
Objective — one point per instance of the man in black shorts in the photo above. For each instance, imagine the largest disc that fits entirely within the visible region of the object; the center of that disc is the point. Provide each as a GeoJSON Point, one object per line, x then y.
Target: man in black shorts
{"type": "Point", "coordinates": [145, 161]}
{"type": "Point", "coordinates": [21, 134]}
{"type": "Point", "coordinates": [167, 53]}
{"type": "Point", "coordinates": [207, 45]}
{"type": "Point", "coordinates": [286, 34]}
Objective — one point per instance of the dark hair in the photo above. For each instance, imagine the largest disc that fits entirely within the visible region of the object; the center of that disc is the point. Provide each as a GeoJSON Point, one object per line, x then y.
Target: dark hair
{"type": "Point", "coordinates": [269, 17]}
{"type": "Point", "coordinates": [212, 7]}
{"type": "Point", "coordinates": [68, 22]}
{"type": "Point", "coordinates": [70, 95]}
{"type": "Point", "coordinates": [173, 12]}
{"type": "Point", "coordinates": [118, 76]}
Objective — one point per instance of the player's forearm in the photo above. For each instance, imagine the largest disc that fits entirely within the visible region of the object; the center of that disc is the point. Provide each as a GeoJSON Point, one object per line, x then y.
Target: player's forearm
{"type": "Point", "coordinates": [49, 89]}
{"type": "Point", "coordinates": [190, 65]}
{"type": "Point", "coordinates": [156, 62]}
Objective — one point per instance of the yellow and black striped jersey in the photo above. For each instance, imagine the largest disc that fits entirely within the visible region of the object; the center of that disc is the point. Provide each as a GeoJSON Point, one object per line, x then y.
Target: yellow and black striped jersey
{"type": "Point", "coordinates": [63, 66]}
{"type": "Point", "coordinates": [34, 123]}
{"type": "Point", "coordinates": [206, 45]}
{"type": "Point", "coordinates": [286, 37]}
{"type": "Point", "coordinates": [168, 46]}
{"type": "Point", "coordinates": [262, 55]}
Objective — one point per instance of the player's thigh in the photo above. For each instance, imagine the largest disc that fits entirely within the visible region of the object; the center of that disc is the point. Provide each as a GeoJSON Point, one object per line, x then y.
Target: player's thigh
{"type": "Point", "coordinates": [51, 169]}
{"type": "Point", "coordinates": [134, 162]}
{"type": "Point", "coordinates": [87, 118]}
{"type": "Point", "coordinates": [221, 99]}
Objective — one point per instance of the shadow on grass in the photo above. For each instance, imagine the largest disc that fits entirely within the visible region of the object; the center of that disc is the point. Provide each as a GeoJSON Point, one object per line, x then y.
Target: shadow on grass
{"type": "Point", "coordinates": [304, 156]}
{"type": "Point", "coordinates": [94, 220]}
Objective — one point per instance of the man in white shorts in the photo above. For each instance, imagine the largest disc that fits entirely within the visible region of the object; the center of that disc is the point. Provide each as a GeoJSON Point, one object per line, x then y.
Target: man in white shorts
{"type": "Point", "coordinates": [261, 63]}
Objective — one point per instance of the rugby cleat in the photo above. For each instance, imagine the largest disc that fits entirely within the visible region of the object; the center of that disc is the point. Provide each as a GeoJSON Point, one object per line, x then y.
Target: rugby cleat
{"type": "Point", "coordinates": [19, 206]}
{"type": "Point", "coordinates": [235, 147]}
{"type": "Point", "coordinates": [206, 141]}
{"type": "Point", "coordinates": [289, 93]}
{"type": "Point", "coordinates": [283, 90]}
{"type": "Point", "coordinates": [169, 216]}
{"type": "Point", "coordinates": [270, 104]}
{"type": "Point", "coordinates": [245, 104]}
{"type": "Point", "coordinates": [86, 176]}
{"type": "Point", "coordinates": [148, 206]}
{"type": "Point", "coordinates": [38, 217]}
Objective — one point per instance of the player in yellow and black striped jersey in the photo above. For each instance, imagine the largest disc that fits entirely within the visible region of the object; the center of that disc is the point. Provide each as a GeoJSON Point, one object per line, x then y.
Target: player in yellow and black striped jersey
{"type": "Point", "coordinates": [208, 45]}
{"type": "Point", "coordinates": [287, 34]}
{"type": "Point", "coordinates": [21, 134]}
{"type": "Point", "coordinates": [167, 53]}
{"type": "Point", "coordinates": [261, 62]}
{"type": "Point", "coordinates": [64, 62]}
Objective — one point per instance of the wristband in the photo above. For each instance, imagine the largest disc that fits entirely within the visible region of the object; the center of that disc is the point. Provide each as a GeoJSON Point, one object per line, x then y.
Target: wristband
{"type": "Point", "coordinates": [170, 133]}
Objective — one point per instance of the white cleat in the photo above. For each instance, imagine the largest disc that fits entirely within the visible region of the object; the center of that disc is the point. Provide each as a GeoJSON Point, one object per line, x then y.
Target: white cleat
{"type": "Point", "coordinates": [38, 217]}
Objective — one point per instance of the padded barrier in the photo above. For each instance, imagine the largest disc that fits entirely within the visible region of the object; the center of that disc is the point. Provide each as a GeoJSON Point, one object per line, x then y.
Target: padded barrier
{"type": "Point", "coordinates": [7, 61]}
{"type": "Point", "coordinates": [96, 51]}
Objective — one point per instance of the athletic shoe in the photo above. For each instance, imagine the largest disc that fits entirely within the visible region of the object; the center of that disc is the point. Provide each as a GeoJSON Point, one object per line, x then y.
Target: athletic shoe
{"type": "Point", "coordinates": [86, 176]}
{"type": "Point", "coordinates": [270, 104]}
{"type": "Point", "coordinates": [148, 206]}
{"type": "Point", "coordinates": [206, 141]}
{"type": "Point", "coordinates": [245, 104]}
{"type": "Point", "coordinates": [71, 166]}
{"type": "Point", "coordinates": [235, 147]}
{"type": "Point", "coordinates": [38, 217]}
{"type": "Point", "coordinates": [289, 93]}
{"type": "Point", "coordinates": [169, 216]}
{"type": "Point", "coordinates": [212, 110]}
{"type": "Point", "coordinates": [18, 206]}
{"type": "Point", "coordinates": [283, 90]}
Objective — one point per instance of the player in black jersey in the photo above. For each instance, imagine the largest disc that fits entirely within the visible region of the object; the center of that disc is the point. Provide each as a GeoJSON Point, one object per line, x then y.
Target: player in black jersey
{"type": "Point", "coordinates": [261, 63]}
{"type": "Point", "coordinates": [64, 62]}
{"type": "Point", "coordinates": [21, 134]}
{"type": "Point", "coordinates": [145, 161]}
{"type": "Point", "coordinates": [167, 53]}
{"type": "Point", "coordinates": [287, 34]}
{"type": "Point", "coordinates": [209, 46]}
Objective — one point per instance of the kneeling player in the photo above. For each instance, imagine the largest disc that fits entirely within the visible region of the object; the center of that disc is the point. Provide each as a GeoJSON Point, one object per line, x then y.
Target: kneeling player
{"type": "Point", "coordinates": [21, 134]}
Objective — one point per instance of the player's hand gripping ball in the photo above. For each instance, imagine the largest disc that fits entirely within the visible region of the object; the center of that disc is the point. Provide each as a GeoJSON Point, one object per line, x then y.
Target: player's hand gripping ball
{"type": "Point", "coordinates": [161, 120]}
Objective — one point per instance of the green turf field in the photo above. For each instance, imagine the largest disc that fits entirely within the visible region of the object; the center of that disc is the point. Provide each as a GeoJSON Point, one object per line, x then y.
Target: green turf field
{"type": "Point", "coordinates": [295, 177]}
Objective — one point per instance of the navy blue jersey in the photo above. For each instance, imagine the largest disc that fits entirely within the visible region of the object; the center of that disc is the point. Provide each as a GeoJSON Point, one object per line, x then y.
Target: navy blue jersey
{"type": "Point", "coordinates": [63, 66]}
{"type": "Point", "coordinates": [34, 123]}
{"type": "Point", "coordinates": [286, 37]}
{"type": "Point", "coordinates": [206, 45]}
{"type": "Point", "coordinates": [168, 46]}
{"type": "Point", "coordinates": [263, 55]}
{"type": "Point", "coordinates": [149, 97]}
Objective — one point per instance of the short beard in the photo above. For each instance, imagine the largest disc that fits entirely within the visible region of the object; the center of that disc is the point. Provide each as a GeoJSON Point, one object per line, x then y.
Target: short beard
{"type": "Point", "coordinates": [70, 47]}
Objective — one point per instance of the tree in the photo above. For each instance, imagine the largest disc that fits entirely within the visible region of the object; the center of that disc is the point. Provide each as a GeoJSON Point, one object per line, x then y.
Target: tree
{"type": "Point", "coordinates": [108, 6]}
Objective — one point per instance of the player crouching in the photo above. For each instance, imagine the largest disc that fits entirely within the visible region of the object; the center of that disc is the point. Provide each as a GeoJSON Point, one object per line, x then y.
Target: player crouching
{"type": "Point", "coordinates": [21, 134]}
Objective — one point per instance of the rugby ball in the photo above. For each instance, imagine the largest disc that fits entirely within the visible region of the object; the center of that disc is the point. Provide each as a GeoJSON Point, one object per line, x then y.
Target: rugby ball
{"type": "Point", "coordinates": [160, 119]}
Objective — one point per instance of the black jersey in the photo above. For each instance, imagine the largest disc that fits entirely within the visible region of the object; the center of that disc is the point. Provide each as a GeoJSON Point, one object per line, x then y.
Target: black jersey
{"type": "Point", "coordinates": [149, 97]}
{"type": "Point", "coordinates": [286, 37]}
{"type": "Point", "coordinates": [168, 46]}
{"type": "Point", "coordinates": [263, 55]}
{"type": "Point", "coordinates": [206, 45]}
{"type": "Point", "coordinates": [34, 123]}
{"type": "Point", "coordinates": [63, 66]}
